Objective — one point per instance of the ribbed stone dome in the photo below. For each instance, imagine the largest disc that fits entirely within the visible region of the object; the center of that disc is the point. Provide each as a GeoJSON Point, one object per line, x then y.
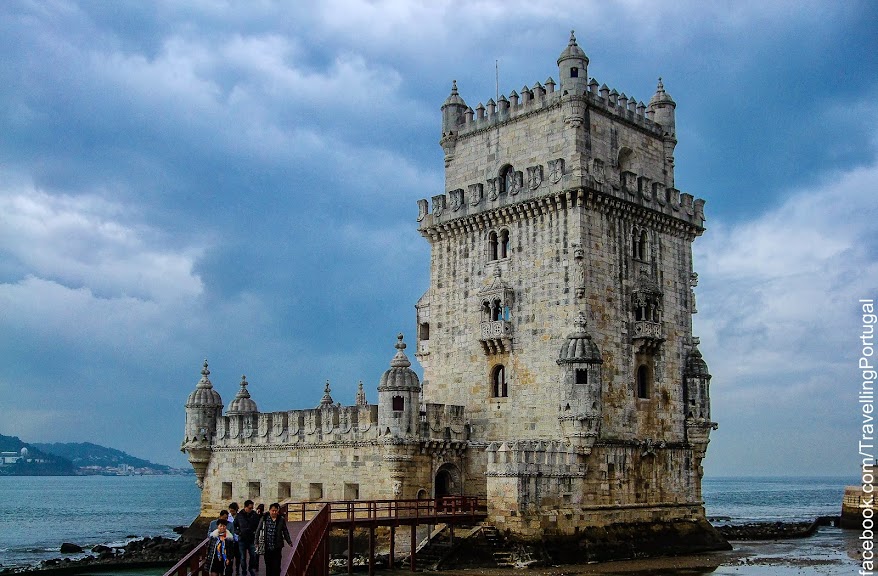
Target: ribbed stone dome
{"type": "Point", "coordinates": [454, 97]}
{"type": "Point", "coordinates": [660, 95]}
{"type": "Point", "coordinates": [696, 367]}
{"type": "Point", "coordinates": [204, 394]}
{"type": "Point", "coordinates": [579, 347]}
{"type": "Point", "coordinates": [399, 376]}
{"type": "Point", "coordinates": [572, 51]}
{"type": "Point", "coordinates": [242, 404]}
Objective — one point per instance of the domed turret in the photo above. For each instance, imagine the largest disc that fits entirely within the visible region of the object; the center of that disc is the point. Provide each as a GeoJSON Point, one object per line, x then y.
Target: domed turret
{"type": "Point", "coordinates": [696, 380]}
{"type": "Point", "coordinates": [204, 395]}
{"type": "Point", "coordinates": [573, 68]}
{"type": "Point", "coordinates": [579, 347]}
{"type": "Point", "coordinates": [399, 396]}
{"type": "Point", "coordinates": [203, 408]}
{"type": "Point", "coordinates": [242, 404]}
{"type": "Point", "coordinates": [696, 367]}
{"type": "Point", "coordinates": [327, 400]}
{"type": "Point", "coordinates": [453, 110]}
{"type": "Point", "coordinates": [399, 376]}
{"type": "Point", "coordinates": [663, 109]}
{"type": "Point", "coordinates": [581, 388]}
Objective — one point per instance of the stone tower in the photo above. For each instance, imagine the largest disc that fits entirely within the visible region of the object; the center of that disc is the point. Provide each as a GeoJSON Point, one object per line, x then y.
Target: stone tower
{"type": "Point", "coordinates": [561, 229]}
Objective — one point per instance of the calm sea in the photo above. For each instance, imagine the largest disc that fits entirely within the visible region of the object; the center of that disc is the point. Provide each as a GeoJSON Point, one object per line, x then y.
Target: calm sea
{"type": "Point", "coordinates": [40, 513]}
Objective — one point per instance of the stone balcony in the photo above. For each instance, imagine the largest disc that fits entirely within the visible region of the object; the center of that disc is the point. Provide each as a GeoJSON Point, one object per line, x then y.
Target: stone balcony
{"type": "Point", "coordinates": [648, 335]}
{"type": "Point", "coordinates": [496, 336]}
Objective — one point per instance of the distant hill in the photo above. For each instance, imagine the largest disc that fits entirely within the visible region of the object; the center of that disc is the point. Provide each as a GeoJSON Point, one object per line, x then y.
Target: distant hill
{"type": "Point", "coordinates": [71, 459]}
{"type": "Point", "coordinates": [88, 455]}
{"type": "Point", "coordinates": [35, 463]}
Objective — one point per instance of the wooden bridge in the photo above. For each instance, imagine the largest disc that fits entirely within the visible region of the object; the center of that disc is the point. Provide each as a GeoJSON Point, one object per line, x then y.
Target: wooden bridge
{"type": "Point", "coordinates": [309, 524]}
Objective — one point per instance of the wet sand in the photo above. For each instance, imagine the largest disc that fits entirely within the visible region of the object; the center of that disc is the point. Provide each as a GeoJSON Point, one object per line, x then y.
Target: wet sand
{"type": "Point", "coordinates": [831, 551]}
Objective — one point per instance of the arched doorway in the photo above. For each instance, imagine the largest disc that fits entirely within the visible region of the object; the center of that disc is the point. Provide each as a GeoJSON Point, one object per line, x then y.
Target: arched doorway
{"type": "Point", "coordinates": [447, 482]}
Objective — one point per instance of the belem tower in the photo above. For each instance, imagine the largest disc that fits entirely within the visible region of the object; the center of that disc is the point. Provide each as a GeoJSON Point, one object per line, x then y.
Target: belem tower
{"type": "Point", "coordinates": [561, 381]}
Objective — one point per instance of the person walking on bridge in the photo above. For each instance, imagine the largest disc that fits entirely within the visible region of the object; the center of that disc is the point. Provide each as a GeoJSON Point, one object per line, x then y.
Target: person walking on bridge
{"type": "Point", "coordinates": [246, 522]}
{"type": "Point", "coordinates": [272, 533]}
{"type": "Point", "coordinates": [221, 549]}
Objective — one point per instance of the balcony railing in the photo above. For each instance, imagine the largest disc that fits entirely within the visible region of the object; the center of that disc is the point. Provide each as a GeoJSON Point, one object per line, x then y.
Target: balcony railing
{"type": "Point", "coordinates": [647, 329]}
{"type": "Point", "coordinates": [496, 336]}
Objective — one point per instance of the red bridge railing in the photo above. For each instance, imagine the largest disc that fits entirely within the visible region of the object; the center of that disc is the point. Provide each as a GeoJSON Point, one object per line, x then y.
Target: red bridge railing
{"type": "Point", "coordinates": [192, 564]}
{"type": "Point", "coordinates": [310, 553]}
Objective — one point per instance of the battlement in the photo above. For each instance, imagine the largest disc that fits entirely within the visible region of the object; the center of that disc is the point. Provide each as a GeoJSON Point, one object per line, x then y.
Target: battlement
{"type": "Point", "coordinates": [331, 423]}
{"type": "Point", "coordinates": [537, 193]}
{"type": "Point", "coordinates": [542, 97]}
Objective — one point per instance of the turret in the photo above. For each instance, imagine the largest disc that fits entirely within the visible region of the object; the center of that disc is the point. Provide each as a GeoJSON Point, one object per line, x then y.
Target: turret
{"type": "Point", "coordinates": [696, 380]}
{"type": "Point", "coordinates": [203, 407]}
{"type": "Point", "coordinates": [581, 388]}
{"type": "Point", "coordinates": [573, 68]}
{"type": "Point", "coordinates": [453, 110]}
{"type": "Point", "coordinates": [243, 403]}
{"type": "Point", "coordinates": [663, 108]}
{"type": "Point", "coordinates": [399, 397]}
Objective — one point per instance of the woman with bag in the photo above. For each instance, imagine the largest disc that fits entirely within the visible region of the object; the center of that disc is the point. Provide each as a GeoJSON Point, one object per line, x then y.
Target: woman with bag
{"type": "Point", "coordinates": [270, 537]}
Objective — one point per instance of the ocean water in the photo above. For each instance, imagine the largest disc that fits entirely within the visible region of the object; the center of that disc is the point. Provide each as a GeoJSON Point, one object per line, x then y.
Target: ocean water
{"type": "Point", "coordinates": [773, 499]}
{"type": "Point", "coordinates": [40, 513]}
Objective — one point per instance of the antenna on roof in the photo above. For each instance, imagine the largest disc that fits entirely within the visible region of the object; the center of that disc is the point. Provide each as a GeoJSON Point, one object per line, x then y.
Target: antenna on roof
{"type": "Point", "coordinates": [497, 82]}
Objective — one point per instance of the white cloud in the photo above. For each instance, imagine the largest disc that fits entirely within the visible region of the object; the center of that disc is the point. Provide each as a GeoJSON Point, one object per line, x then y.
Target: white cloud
{"type": "Point", "coordinates": [85, 241]}
{"type": "Point", "coordinates": [778, 320]}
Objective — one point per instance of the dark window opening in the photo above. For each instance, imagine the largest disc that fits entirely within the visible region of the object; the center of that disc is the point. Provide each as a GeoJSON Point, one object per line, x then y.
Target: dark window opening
{"type": "Point", "coordinates": [581, 376]}
{"type": "Point", "coordinates": [574, 72]}
{"type": "Point", "coordinates": [492, 246]}
{"type": "Point", "coordinates": [425, 331]}
{"type": "Point", "coordinates": [398, 403]}
{"type": "Point", "coordinates": [498, 379]}
{"type": "Point", "coordinates": [504, 244]}
{"type": "Point", "coordinates": [642, 382]}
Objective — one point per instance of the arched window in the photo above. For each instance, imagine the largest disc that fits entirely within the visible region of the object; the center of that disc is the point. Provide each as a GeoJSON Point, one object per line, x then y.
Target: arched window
{"type": "Point", "coordinates": [504, 244]}
{"type": "Point", "coordinates": [499, 388]}
{"type": "Point", "coordinates": [496, 311]}
{"type": "Point", "coordinates": [643, 248]}
{"type": "Point", "coordinates": [635, 243]}
{"type": "Point", "coordinates": [492, 246]}
{"type": "Point", "coordinates": [642, 381]}
{"type": "Point", "coordinates": [398, 403]}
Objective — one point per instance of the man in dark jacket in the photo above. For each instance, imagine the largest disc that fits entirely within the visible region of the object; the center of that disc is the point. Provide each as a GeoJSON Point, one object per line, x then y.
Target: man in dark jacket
{"type": "Point", "coordinates": [273, 531]}
{"type": "Point", "coordinates": [246, 522]}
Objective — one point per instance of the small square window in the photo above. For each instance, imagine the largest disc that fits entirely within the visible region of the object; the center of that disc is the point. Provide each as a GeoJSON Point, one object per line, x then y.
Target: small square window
{"type": "Point", "coordinates": [315, 491]}
{"type": "Point", "coordinates": [254, 490]}
{"type": "Point", "coordinates": [351, 491]}
{"type": "Point", "coordinates": [227, 491]}
{"type": "Point", "coordinates": [283, 490]}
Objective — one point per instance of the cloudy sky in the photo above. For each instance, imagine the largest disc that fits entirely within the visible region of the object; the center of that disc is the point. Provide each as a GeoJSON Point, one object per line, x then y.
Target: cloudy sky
{"type": "Point", "coordinates": [238, 181]}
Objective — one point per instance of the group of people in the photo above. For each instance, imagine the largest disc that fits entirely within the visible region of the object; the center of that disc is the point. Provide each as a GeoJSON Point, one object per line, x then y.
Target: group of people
{"type": "Point", "coordinates": [239, 537]}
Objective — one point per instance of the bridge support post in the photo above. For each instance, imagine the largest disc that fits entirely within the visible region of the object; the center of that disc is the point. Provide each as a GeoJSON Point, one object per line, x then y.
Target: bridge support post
{"type": "Point", "coordinates": [392, 546]}
{"type": "Point", "coordinates": [372, 550]}
{"type": "Point", "coordinates": [412, 562]}
{"type": "Point", "coordinates": [351, 549]}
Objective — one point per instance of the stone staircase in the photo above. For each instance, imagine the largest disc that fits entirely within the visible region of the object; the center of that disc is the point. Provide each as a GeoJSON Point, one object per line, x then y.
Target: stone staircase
{"type": "Point", "coordinates": [437, 548]}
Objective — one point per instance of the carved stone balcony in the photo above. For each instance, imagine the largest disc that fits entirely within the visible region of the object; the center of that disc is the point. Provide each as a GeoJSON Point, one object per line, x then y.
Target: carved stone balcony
{"type": "Point", "coordinates": [496, 336]}
{"type": "Point", "coordinates": [648, 335]}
